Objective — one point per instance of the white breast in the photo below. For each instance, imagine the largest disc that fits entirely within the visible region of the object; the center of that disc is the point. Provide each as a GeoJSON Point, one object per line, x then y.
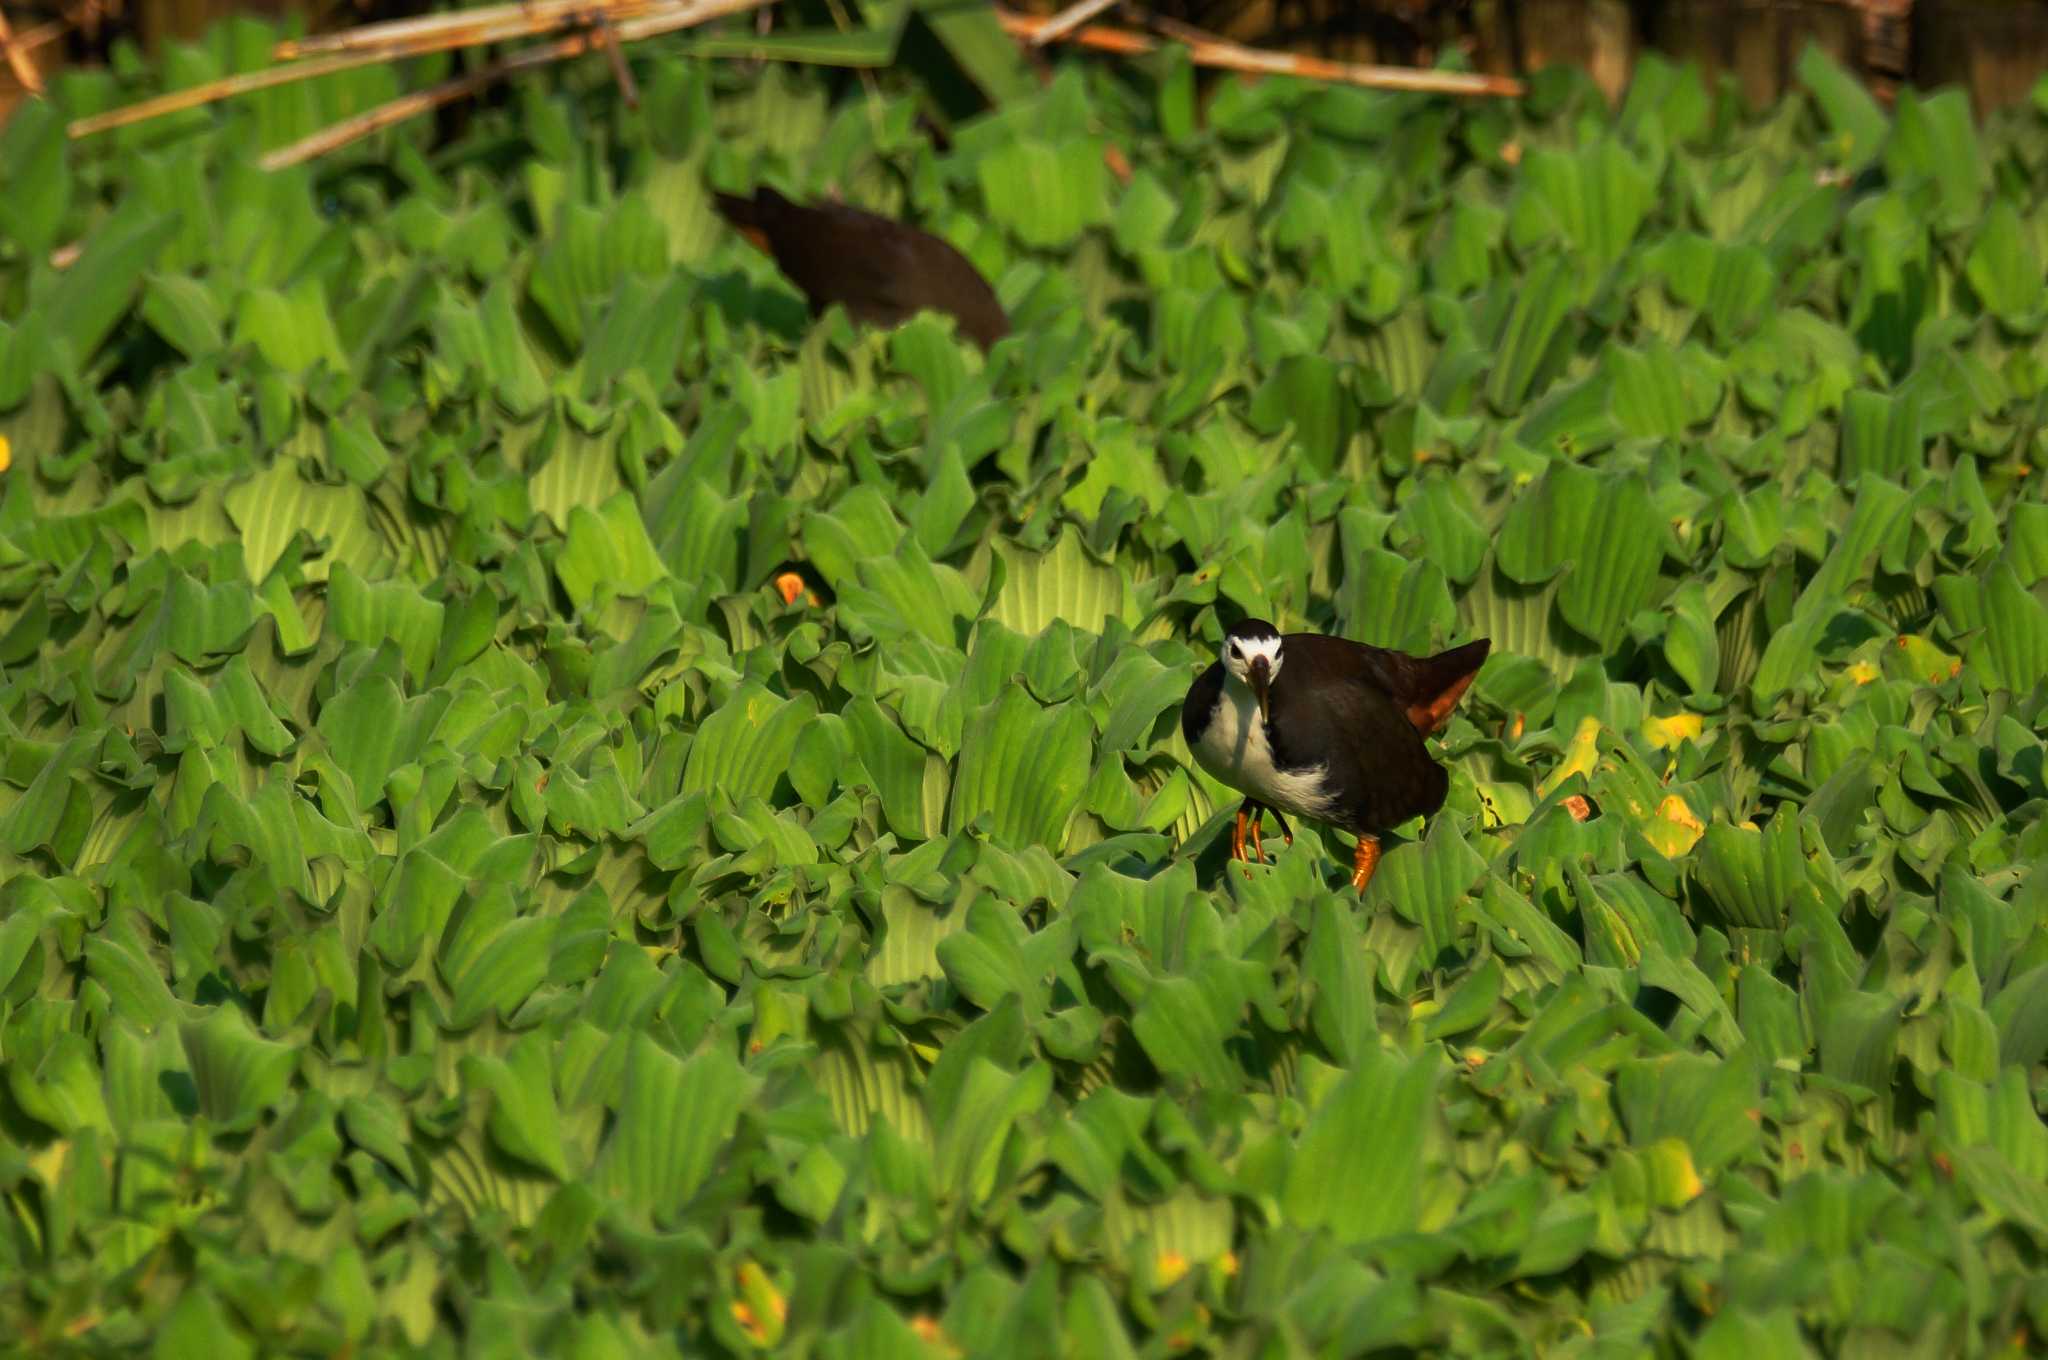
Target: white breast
{"type": "Point", "coordinates": [1234, 749]}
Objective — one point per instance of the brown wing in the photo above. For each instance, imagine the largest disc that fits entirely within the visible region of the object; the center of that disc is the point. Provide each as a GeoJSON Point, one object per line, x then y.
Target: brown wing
{"type": "Point", "coordinates": [1426, 687]}
{"type": "Point", "coordinates": [1376, 765]}
{"type": "Point", "coordinates": [881, 270]}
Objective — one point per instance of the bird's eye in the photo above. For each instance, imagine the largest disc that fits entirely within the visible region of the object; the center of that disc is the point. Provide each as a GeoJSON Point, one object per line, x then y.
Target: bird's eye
{"type": "Point", "coordinates": [1236, 653]}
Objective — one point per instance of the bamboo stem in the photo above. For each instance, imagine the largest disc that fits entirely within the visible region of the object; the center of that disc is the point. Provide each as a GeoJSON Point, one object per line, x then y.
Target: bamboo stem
{"type": "Point", "coordinates": [1230, 56]}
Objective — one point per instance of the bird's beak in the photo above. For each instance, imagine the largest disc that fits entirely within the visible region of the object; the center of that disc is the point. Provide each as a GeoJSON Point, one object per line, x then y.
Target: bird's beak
{"type": "Point", "coordinates": [1261, 676]}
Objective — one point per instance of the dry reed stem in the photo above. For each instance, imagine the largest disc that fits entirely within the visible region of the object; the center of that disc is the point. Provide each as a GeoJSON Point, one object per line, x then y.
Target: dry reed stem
{"type": "Point", "coordinates": [17, 57]}
{"type": "Point", "coordinates": [622, 74]}
{"type": "Point", "coordinates": [1230, 56]}
{"type": "Point", "coordinates": [1069, 19]}
{"type": "Point", "coordinates": [208, 91]}
{"type": "Point", "coordinates": [465, 28]}
{"type": "Point", "coordinates": [502, 22]}
{"type": "Point", "coordinates": [412, 105]}
{"type": "Point", "coordinates": [398, 110]}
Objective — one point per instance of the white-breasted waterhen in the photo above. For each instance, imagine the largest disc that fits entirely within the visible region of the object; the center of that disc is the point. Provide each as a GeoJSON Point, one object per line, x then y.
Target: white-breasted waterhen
{"type": "Point", "coordinates": [882, 271]}
{"type": "Point", "coordinates": [1325, 728]}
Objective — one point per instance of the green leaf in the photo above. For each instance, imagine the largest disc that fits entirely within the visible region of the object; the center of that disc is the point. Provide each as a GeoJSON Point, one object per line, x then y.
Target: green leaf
{"type": "Point", "coordinates": [1592, 200]}
{"type": "Point", "coordinates": [1306, 393]}
{"type": "Point", "coordinates": [608, 554]}
{"type": "Point", "coordinates": [239, 1077]}
{"type": "Point", "coordinates": [1046, 193]}
{"type": "Point", "coordinates": [675, 1118]}
{"type": "Point", "coordinates": [524, 1121]}
{"type": "Point", "coordinates": [39, 193]}
{"type": "Point", "coordinates": [292, 331]}
{"type": "Point", "coordinates": [185, 313]}
{"type": "Point", "coordinates": [2005, 268]}
{"type": "Point", "coordinates": [1532, 332]}
{"type": "Point", "coordinates": [911, 781]}
{"type": "Point", "coordinates": [89, 301]}
{"type": "Point", "coordinates": [1596, 527]}
{"type": "Point", "coordinates": [1358, 1170]}
{"type": "Point", "coordinates": [742, 748]}
{"type": "Point", "coordinates": [971, 1143]}
{"type": "Point", "coordinates": [1024, 766]}
{"type": "Point", "coordinates": [1184, 1035]}
{"type": "Point", "coordinates": [1853, 116]}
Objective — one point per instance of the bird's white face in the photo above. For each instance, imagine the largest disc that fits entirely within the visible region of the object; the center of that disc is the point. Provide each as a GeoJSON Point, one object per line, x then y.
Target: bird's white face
{"type": "Point", "coordinates": [1239, 654]}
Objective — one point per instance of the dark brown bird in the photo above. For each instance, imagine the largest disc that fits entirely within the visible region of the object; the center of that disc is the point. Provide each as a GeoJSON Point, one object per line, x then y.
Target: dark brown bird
{"type": "Point", "coordinates": [882, 271]}
{"type": "Point", "coordinates": [1327, 728]}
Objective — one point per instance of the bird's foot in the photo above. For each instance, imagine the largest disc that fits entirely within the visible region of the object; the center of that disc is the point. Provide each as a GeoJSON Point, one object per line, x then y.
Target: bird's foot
{"type": "Point", "coordinates": [1237, 835]}
{"type": "Point", "coordinates": [1364, 860]}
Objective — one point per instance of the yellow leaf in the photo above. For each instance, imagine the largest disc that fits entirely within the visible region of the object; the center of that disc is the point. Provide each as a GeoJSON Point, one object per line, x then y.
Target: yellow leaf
{"type": "Point", "coordinates": [51, 1161]}
{"type": "Point", "coordinates": [1579, 757]}
{"type": "Point", "coordinates": [1919, 661]}
{"type": "Point", "coordinates": [761, 1309]}
{"type": "Point", "coordinates": [1664, 733]}
{"type": "Point", "coordinates": [1675, 828]}
{"type": "Point", "coordinates": [1674, 1182]}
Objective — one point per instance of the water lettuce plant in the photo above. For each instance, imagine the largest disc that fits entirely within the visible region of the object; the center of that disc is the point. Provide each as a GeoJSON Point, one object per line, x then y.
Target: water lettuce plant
{"type": "Point", "coordinates": [553, 805]}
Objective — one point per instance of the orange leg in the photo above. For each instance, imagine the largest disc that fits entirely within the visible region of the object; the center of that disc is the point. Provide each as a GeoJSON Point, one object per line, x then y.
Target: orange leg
{"type": "Point", "coordinates": [1364, 861]}
{"type": "Point", "coordinates": [1251, 816]}
{"type": "Point", "coordinates": [1259, 813]}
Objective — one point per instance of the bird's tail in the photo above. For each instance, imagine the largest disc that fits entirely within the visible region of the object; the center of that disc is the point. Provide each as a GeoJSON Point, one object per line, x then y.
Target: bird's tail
{"type": "Point", "coordinates": [1429, 687]}
{"type": "Point", "coordinates": [747, 214]}
{"type": "Point", "coordinates": [736, 210]}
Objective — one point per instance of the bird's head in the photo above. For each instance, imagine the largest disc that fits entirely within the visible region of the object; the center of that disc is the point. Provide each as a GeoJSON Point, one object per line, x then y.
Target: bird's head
{"type": "Point", "coordinates": [1251, 657]}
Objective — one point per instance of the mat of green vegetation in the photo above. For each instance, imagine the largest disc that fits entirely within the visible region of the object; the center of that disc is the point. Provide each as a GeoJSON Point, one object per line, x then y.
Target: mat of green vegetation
{"type": "Point", "coordinates": [453, 905]}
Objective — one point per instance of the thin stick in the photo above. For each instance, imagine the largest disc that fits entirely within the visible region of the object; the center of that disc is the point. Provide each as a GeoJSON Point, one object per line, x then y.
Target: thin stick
{"type": "Point", "coordinates": [423, 101]}
{"type": "Point", "coordinates": [622, 74]}
{"type": "Point", "coordinates": [17, 57]}
{"type": "Point", "coordinates": [1230, 56]}
{"type": "Point", "coordinates": [464, 28]}
{"type": "Point", "coordinates": [206, 92]}
{"type": "Point", "coordinates": [41, 35]}
{"type": "Point", "coordinates": [510, 21]}
{"type": "Point", "coordinates": [1069, 19]}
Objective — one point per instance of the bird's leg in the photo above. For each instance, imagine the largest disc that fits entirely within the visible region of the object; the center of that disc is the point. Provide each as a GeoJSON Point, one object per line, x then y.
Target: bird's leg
{"type": "Point", "coordinates": [1364, 861]}
{"type": "Point", "coordinates": [1249, 813]}
{"type": "Point", "coordinates": [1259, 813]}
{"type": "Point", "coordinates": [1285, 830]}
